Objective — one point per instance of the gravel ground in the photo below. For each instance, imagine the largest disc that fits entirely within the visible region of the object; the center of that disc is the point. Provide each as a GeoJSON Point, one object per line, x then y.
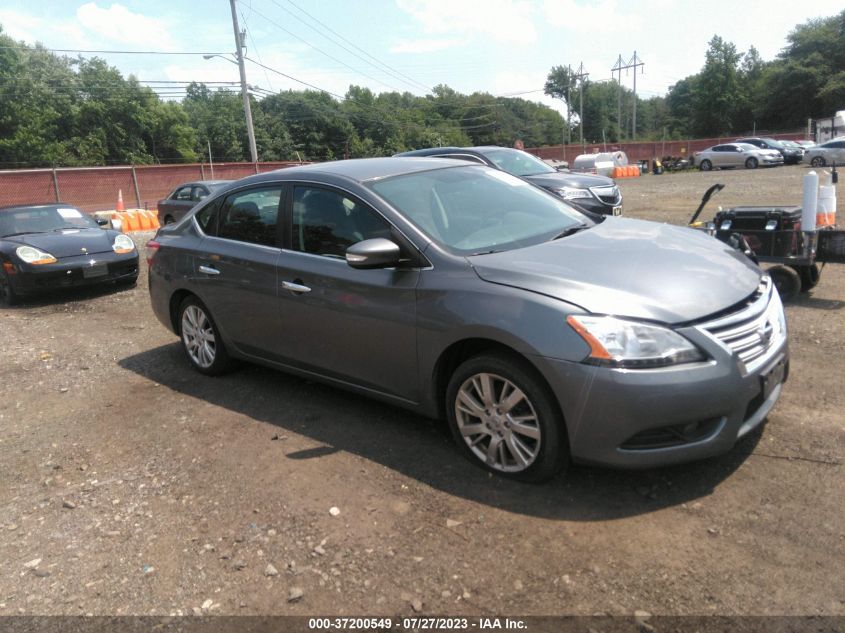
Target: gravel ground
{"type": "Point", "coordinates": [133, 485]}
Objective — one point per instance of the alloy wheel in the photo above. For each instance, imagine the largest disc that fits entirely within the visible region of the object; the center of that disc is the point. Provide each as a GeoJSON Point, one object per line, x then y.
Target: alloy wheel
{"type": "Point", "coordinates": [198, 336]}
{"type": "Point", "coordinates": [498, 422]}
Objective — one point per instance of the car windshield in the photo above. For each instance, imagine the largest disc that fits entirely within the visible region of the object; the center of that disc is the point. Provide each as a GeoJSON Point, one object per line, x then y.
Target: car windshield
{"type": "Point", "coordinates": [773, 143]}
{"type": "Point", "coordinates": [43, 220]}
{"type": "Point", "coordinates": [746, 147]}
{"type": "Point", "coordinates": [475, 209]}
{"type": "Point", "coordinates": [516, 162]}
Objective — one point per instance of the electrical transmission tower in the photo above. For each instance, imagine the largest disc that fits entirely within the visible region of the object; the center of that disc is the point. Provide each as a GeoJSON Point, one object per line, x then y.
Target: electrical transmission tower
{"type": "Point", "coordinates": [634, 62]}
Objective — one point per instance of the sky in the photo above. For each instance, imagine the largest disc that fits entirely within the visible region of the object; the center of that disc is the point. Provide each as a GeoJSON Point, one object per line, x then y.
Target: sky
{"type": "Point", "coordinates": [503, 47]}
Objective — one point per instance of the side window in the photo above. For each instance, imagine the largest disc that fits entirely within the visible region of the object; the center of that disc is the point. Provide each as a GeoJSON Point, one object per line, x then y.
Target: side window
{"type": "Point", "coordinates": [207, 217]}
{"type": "Point", "coordinates": [327, 223]}
{"type": "Point", "coordinates": [183, 194]}
{"type": "Point", "coordinates": [250, 216]}
{"type": "Point", "coordinates": [722, 148]}
{"type": "Point", "coordinates": [199, 193]}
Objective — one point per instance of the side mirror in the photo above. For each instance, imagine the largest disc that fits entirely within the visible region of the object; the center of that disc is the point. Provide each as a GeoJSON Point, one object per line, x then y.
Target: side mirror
{"type": "Point", "coordinates": [102, 222]}
{"type": "Point", "coordinates": [375, 253]}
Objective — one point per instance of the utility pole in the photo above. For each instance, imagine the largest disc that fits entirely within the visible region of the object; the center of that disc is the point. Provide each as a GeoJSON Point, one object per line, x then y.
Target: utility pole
{"type": "Point", "coordinates": [239, 43]}
{"type": "Point", "coordinates": [634, 62]}
{"type": "Point", "coordinates": [618, 66]}
{"type": "Point", "coordinates": [568, 102]}
{"type": "Point", "coordinates": [581, 76]}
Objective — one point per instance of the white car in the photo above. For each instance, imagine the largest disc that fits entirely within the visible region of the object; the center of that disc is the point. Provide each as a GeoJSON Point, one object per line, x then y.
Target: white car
{"type": "Point", "coordinates": [826, 153]}
{"type": "Point", "coordinates": [729, 155]}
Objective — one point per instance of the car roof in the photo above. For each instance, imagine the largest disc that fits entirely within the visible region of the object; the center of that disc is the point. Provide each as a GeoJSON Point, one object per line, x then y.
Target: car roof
{"type": "Point", "coordinates": [213, 183]}
{"type": "Point", "coordinates": [361, 169]}
{"type": "Point", "coordinates": [34, 205]}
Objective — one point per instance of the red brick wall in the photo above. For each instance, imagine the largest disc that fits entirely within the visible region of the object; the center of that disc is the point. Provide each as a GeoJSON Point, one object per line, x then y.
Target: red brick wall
{"type": "Point", "coordinates": [645, 150]}
{"type": "Point", "coordinates": [96, 188]}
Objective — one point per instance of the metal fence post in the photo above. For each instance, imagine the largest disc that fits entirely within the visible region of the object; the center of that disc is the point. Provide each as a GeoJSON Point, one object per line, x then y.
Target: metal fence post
{"type": "Point", "coordinates": [137, 190]}
{"type": "Point", "coordinates": [56, 184]}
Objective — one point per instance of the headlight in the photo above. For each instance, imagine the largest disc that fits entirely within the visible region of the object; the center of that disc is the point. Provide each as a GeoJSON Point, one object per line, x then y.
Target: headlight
{"type": "Point", "coordinates": [570, 193]}
{"type": "Point", "coordinates": [32, 255]}
{"type": "Point", "coordinates": [618, 343]}
{"type": "Point", "coordinates": [123, 244]}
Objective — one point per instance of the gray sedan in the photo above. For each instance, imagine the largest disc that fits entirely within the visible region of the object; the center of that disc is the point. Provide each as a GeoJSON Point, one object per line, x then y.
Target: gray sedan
{"type": "Point", "coordinates": [461, 291]}
{"type": "Point", "coordinates": [730, 155]}
{"type": "Point", "coordinates": [826, 153]}
{"type": "Point", "coordinates": [184, 197]}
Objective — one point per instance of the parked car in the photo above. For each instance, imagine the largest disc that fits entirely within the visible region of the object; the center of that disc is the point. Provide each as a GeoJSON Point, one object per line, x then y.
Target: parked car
{"type": "Point", "coordinates": [48, 246]}
{"type": "Point", "coordinates": [730, 155]}
{"type": "Point", "coordinates": [184, 197]}
{"type": "Point", "coordinates": [791, 155]}
{"type": "Point", "coordinates": [589, 192]}
{"type": "Point", "coordinates": [461, 291]}
{"type": "Point", "coordinates": [792, 145]}
{"type": "Point", "coordinates": [827, 153]}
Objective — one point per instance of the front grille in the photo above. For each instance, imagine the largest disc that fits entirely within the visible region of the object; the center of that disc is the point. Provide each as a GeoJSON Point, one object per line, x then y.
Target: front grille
{"type": "Point", "coordinates": [754, 331]}
{"type": "Point", "coordinates": [609, 194]}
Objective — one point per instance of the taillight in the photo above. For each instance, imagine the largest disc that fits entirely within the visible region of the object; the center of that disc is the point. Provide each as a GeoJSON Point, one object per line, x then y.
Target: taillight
{"type": "Point", "coordinates": [152, 249]}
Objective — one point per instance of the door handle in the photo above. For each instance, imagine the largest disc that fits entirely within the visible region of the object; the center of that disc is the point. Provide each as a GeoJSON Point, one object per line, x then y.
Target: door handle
{"type": "Point", "coordinates": [208, 270]}
{"type": "Point", "coordinates": [295, 287]}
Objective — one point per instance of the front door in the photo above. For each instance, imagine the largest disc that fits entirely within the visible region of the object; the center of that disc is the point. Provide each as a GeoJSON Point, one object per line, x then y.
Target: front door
{"type": "Point", "coordinates": [357, 326]}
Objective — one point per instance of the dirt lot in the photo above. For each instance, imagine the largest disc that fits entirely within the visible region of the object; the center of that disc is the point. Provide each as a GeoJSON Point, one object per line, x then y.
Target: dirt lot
{"type": "Point", "coordinates": [133, 485]}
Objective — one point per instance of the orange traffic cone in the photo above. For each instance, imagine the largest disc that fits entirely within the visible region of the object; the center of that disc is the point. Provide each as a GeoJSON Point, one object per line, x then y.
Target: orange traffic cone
{"type": "Point", "coordinates": [120, 206]}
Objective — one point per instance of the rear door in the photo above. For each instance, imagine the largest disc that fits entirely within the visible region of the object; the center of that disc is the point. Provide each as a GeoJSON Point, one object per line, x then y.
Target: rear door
{"type": "Point", "coordinates": [236, 267]}
{"type": "Point", "coordinates": [357, 326]}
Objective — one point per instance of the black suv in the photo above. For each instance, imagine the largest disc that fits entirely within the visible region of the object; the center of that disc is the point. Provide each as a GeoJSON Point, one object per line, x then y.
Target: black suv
{"type": "Point", "coordinates": [791, 155]}
{"type": "Point", "coordinates": [596, 194]}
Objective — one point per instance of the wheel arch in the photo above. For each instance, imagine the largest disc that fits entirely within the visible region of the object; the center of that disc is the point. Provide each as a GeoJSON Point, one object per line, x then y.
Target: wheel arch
{"type": "Point", "coordinates": [459, 351]}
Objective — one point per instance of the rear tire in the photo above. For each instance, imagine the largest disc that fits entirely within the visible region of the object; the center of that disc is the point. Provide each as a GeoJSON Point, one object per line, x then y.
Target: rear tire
{"type": "Point", "coordinates": [705, 165]}
{"type": "Point", "coordinates": [504, 418]}
{"type": "Point", "coordinates": [201, 340]}
{"type": "Point", "coordinates": [8, 296]}
{"type": "Point", "coordinates": [818, 161]}
{"type": "Point", "coordinates": [809, 276]}
{"type": "Point", "coordinates": [787, 281]}
{"type": "Point", "coordinates": [751, 163]}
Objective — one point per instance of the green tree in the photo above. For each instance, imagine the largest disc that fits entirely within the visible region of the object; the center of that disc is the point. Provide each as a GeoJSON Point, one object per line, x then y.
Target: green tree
{"type": "Point", "coordinates": [717, 91]}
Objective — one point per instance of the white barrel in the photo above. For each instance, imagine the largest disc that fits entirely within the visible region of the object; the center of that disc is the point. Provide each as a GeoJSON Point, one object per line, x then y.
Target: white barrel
{"type": "Point", "coordinates": [809, 201]}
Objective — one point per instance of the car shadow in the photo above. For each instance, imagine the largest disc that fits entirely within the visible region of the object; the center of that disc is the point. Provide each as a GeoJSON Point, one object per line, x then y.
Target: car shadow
{"type": "Point", "coordinates": [64, 295]}
{"type": "Point", "coordinates": [808, 301]}
{"type": "Point", "coordinates": [422, 449]}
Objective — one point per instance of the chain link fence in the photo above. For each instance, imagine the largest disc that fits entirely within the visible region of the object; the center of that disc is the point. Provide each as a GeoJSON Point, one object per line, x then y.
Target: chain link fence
{"type": "Point", "coordinates": [96, 188]}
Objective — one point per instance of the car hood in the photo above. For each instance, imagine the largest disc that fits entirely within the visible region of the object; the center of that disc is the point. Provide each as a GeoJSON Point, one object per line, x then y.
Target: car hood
{"type": "Point", "coordinates": [630, 268]}
{"type": "Point", "coordinates": [69, 243]}
{"type": "Point", "coordinates": [569, 179]}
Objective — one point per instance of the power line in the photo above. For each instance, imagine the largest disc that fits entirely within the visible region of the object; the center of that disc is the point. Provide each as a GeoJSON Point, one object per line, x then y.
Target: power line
{"type": "Point", "coordinates": [396, 74]}
{"type": "Point", "coordinates": [322, 52]}
{"type": "Point", "coordinates": [110, 52]}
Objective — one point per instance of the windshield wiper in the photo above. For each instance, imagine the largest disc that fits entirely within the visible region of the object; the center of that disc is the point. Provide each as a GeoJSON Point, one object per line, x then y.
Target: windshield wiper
{"type": "Point", "coordinates": [570, 231]}
{"type": "Point", "coordinates": [22, 233]}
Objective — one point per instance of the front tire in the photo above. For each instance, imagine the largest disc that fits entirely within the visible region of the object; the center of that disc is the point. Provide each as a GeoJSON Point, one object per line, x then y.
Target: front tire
{"type": "Point", "coordinates": [201, 340]}
{"type": "Point", "coordinates": [787, 281]}
{"type": "Point", "coordinates": [751, 163]}
{"type": "Point", "coordinates": [705, 165]}
{"type": "Point", "coordinates": [8, 296]}
{"type": "Point", "coordinates": [504, 418]}
{"type": "Point", "coordinates": [818, 161]}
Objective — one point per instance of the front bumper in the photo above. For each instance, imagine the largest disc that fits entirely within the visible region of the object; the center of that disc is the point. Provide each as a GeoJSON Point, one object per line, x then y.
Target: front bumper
{"type": "Point", "coordinates": [644, 418]}
{"type": "Point", "coordinates": [73, 272]}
